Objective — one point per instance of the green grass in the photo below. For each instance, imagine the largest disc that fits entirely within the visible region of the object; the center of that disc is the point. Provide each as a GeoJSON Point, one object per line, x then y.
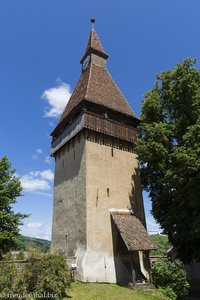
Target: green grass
{"type": "Point", "coordinates": [101, 291]}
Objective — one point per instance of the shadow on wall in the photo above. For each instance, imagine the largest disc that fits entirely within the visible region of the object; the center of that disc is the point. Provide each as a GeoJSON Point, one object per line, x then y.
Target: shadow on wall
{"type": "Point", "coordinates": [135, 197]}
{"type": "Point", "coordinates": [69, 213]}
{"type": "Point", "coordinates": [128, 263]}
{"type": "Point", "coordinates": [70, 160]}
{"type": "Point", "coordinates": [122, 260]}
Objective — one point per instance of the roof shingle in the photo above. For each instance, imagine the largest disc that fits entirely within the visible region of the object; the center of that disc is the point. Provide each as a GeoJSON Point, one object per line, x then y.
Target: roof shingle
{"type": "Point", "coordinates": [97, 86]}
{"type": "Point", "coordinates": [132, 231]}
{"type": "Point", "coordinates": [94, 43]}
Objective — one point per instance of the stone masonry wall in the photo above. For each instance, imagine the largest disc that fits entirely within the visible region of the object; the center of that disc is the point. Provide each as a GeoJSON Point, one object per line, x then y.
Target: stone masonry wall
{"type": "Point", "coordinates": [69, 212]}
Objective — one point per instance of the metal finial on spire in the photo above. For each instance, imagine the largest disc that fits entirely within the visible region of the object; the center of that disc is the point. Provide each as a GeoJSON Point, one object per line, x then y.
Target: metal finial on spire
{"type": "Point", "coordinates": [92, 20]}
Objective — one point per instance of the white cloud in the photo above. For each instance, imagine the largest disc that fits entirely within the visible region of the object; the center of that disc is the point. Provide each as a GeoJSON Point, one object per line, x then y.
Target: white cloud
{"type": "Point", "coordinates": [46, 174]}
{"type": "Point", "coordinates": [57, 98]}
{"type": "Point", "coordinates": [43, 235]}
{"type": "Point", "coordinates": [44, 194]}
{"type": "Point", "coordinates": [47, 160]}
{"type": "Point", "coordinates": [34, 225]}
{"type": "Point", "coordinates": [37, 180]}
{"type": "Point", "coordinates": [39, 151]}
{"type": "Point", "coordinates": [37, 229]}
{"type": "Point", "coordinates": [31, 184]}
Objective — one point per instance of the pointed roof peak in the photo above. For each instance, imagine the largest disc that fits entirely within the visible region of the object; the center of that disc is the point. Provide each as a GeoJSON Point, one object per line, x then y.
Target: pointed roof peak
{"type": "Point", "coordinates": [94, 42]}
{"type": "Point", "coordinates": [94, 45]}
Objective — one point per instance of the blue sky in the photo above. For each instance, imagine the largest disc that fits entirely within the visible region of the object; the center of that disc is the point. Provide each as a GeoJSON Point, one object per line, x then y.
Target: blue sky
{"type": "Point", "coordinates": [42, 43]}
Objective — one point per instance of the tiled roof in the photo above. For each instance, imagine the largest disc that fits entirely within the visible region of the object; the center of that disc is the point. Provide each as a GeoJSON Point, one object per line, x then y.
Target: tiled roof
{"type": "Point", "coordinates": [94, 43]}
{"type": "Point", "coordinates": [97, 86]}
{"type": "Point", "coordinates": [132, 231]}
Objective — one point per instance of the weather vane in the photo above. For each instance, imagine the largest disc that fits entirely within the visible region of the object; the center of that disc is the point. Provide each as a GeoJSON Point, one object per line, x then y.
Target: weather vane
{"type": "Point", "coordinates": [92, 20]}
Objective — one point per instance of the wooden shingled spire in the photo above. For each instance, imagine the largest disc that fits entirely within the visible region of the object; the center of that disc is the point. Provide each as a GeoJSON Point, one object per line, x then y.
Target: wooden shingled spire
{"type": "Point", "coordinates": [95, 86]}
{"type": "Point", "coordinates": [94, 45]}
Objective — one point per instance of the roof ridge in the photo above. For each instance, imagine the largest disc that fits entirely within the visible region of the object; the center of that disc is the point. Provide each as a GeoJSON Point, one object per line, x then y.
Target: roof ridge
{"type": "Point", "coordinates": [90, 71]}
{"type": "Point", "coordinates": [120, 91]}
{"type": "Point", "coordinates": [77, 95]}
{"type": "Point", "coordinates": [93, 81]}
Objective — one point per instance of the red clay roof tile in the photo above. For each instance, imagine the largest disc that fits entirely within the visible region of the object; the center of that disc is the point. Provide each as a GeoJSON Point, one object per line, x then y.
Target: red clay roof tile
{"type": "Point", "coordinates": [97, 86]}
{"type": "Point", "coordinates": [94, 42]}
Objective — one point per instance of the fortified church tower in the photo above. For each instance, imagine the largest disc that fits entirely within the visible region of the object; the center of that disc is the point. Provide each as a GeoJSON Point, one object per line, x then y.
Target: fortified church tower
{"type": "Point", "coordinates": [98, 216]}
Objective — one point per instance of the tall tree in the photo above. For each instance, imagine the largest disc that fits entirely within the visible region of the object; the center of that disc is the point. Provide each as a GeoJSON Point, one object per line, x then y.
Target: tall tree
{"type": "Point", "coordinates": [10, 189]}
{"type": "Point", "coordinates": [169, 152]}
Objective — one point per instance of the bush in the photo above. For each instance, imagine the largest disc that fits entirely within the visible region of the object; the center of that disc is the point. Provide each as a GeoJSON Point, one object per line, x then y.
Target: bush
{"type": "Point", "coordinates": [20, 255]}
{"type": "Point", "coordinates": [168, 275]}
{"type": "Point", "coordinates": [7, 276]}
{"type": "Point", "coordinates": [167, 291]}
{"type": "Point", "coordinates": [26, 279]}
{"type": "Point", "coordinates": [53, 276]}
{"type": "Point", "coordinates": [43, 277]}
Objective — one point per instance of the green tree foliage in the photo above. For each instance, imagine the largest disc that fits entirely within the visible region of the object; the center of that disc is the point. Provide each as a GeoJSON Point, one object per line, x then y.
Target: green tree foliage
{"type": "Point", "coordinates": [169, 154]}
{"type": "Point", "coordinates": [171, 277]}
{"type": "Point", "coordinates": [162, 242]}
{"type": "Point", "coordinates": [10, 189]}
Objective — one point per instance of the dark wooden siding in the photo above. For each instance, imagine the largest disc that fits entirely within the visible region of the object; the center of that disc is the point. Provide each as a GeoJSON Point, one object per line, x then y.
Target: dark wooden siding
{"type": "Point", "coordinates": [110, 127]}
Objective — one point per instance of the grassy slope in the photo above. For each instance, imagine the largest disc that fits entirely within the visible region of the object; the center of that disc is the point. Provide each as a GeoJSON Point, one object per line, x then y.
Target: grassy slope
{"type": "Point", "coordinates": [98, 291]}
{"type": "Point", "coordinates": [30, 243]}
{"type": "Point", "coordinates": [162, 242]}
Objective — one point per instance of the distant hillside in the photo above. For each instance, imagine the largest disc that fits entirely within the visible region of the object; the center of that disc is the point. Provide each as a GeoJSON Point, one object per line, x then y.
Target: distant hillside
{"type": "Point", "coordinates": [29, 243]}
{"type": "Point", "coordinates": [162, 242]}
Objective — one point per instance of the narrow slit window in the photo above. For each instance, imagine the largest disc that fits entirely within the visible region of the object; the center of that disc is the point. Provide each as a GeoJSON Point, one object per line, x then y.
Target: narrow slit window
{"type": "Point", "coordinates": [108, 192]}
{"type": "Point", "coordinates": [66, 241]}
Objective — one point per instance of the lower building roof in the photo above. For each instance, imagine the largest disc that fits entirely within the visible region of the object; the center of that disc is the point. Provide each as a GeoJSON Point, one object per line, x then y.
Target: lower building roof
{"type": "Point", "coordinates": [132, 231]}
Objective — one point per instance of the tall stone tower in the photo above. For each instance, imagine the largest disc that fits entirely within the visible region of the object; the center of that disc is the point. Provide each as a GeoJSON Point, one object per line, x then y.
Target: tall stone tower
{"type": "Point", "coordinates": [98, 215]}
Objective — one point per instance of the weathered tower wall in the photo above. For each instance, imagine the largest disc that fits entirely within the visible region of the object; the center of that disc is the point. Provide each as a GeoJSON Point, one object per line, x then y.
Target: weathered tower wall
{"type": "Point", "coordinates": [69, 212]}
{"type": "Point", "coordinates": [91, 178]}
{"type": "Point", "coordinates": [110, 183]}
